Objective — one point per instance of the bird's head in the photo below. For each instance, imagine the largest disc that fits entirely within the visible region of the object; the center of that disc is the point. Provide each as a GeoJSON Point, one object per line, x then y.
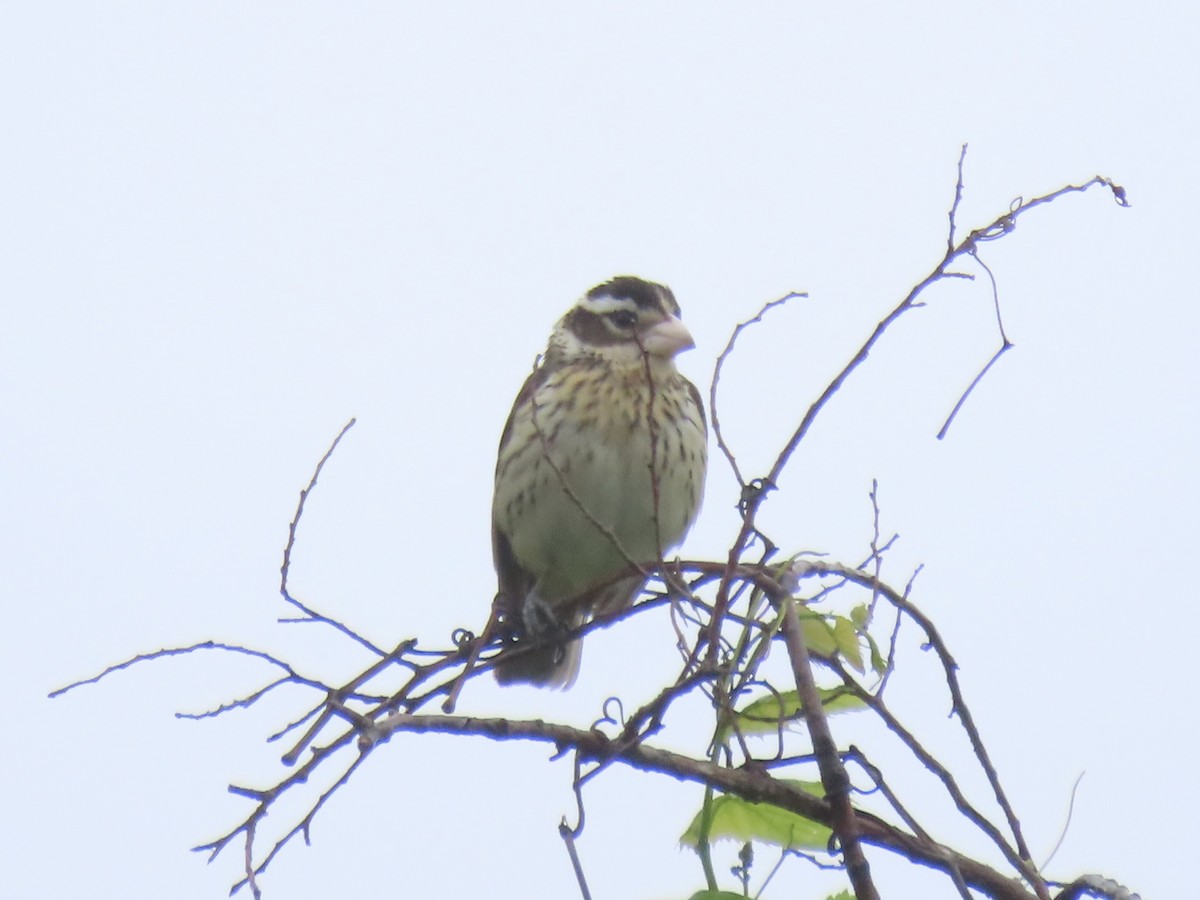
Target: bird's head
{"type": "Point", "coordinates": [618, 321]}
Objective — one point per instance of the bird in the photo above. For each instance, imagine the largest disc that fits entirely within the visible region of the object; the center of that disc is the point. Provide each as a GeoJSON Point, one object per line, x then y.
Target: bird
{"type": "Point", "coordinates": [576, 510]}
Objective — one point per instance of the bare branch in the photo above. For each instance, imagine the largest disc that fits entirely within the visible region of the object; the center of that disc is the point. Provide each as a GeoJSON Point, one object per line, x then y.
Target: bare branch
{"type": "Point", "coordinates": [958, 194]}
{"type": "Point", "coordinates": [1005, 346]}
{"type": "Point", "coordinates": [833, 775]}
{"type": "Point", "coordinates": [181, 651]}
{"type": "Point", "coordinates": [741, 782]}
{"type": "Point", "coordinates": [310, 614]}
{"type": "Point", "coordinates": [716, 378]}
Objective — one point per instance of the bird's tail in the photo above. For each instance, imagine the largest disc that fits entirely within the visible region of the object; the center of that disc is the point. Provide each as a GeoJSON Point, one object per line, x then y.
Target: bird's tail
{"type": "Point", "coordinates": [553, 664]}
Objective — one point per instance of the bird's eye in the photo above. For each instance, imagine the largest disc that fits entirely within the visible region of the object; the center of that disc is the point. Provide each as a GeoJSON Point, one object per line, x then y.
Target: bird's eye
{"type": "Point", "coordinates": [623, 318]}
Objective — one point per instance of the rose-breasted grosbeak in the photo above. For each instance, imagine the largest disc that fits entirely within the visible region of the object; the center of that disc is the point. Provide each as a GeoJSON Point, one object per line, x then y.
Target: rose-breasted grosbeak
{"type": "Point", "coordinates": [575, 503]}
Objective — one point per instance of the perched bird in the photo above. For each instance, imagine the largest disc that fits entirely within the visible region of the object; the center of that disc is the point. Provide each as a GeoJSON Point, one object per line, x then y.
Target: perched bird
{"type": "Point", "coordinates": [575, 504]}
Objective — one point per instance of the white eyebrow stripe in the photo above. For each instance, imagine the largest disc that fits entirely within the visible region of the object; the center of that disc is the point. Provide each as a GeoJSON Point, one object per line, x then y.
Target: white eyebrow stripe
{"type": "Point", "coordinates": [605, 303]}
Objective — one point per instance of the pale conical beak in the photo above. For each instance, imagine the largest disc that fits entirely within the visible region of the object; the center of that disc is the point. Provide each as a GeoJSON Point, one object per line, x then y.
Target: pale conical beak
{"type": "Point", "coordinates": [668, 337]}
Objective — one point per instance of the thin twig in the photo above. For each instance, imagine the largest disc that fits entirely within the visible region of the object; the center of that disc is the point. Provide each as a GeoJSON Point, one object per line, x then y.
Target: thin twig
{"type": "Point", "coordinates": [1005, 346]}
{"type": "Point", "coordinates": [716, 378]}
{"type": "Point", "coordinates": [958, 195]}
{"type": "Point", "coordinates": [310, 614]}
{"type": "Point", "coordinates": [1062, 835]}
{"type": "Point", "coordinates": [568, 837]}
{"type": "Point", "coordinates": [180, 651]}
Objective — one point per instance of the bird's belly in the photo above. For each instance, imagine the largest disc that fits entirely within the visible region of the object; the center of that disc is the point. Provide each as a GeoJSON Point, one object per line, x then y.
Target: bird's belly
{"type": "Point", "coordinates": [572, 538]}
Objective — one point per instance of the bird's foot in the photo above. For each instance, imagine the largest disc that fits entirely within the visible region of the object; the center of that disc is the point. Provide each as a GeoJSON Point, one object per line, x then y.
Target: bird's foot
{"type": "Point", "coordinates": [541, 622]}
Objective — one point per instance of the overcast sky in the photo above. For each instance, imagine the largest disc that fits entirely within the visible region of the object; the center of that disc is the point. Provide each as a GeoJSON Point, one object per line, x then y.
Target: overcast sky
{"type": "Point", "coordinates": [229, 227]}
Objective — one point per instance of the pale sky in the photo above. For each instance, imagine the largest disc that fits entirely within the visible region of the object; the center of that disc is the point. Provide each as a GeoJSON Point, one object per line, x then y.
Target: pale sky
{"type": "Point", "coordinates": [229, 227]}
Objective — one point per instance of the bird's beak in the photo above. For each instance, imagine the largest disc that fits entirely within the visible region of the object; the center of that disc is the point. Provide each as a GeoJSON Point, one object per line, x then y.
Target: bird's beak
{"type": "Point", "coordinates": [668, 337]}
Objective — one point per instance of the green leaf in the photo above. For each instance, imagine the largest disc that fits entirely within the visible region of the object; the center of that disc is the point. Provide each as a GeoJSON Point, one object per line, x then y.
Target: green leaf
{"type": "Point", "coordinates": [817, 634]}
{"type": "Point", "coordinates": [764, 715]}
{"type": "Point", "coordinates": [861, 616]}
{"type": "Point", "coordinates": [840, 895]}
{"type": "Point", "coordinates": [878, 663]}
{"type": "Point", "coordinates": [846, 635]}
{"type": "Point", "coordinates": [733, 817]}
{"type": "Point", "coordinates": [717, 895]}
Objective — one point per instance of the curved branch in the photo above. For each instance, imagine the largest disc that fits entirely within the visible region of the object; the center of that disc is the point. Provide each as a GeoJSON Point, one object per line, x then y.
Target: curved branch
{"type": "Point", "coordinates": [748, 783]}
